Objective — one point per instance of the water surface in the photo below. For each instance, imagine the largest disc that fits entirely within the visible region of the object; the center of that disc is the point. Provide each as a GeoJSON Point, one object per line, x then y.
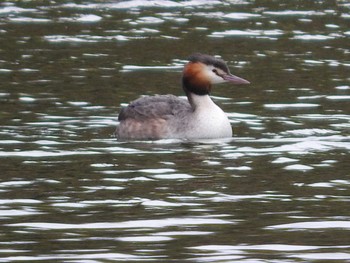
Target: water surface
{"type": "Point", "coordinates": [278, 191]}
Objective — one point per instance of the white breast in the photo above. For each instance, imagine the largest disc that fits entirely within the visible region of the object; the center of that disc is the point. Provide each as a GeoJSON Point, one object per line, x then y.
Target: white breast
{"type": "Point", "coordinates": [208, 120]}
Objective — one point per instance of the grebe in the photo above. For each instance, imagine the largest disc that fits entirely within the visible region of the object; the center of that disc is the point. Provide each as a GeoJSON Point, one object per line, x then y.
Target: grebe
{"type": "Point", "coordinates": [167, 116]}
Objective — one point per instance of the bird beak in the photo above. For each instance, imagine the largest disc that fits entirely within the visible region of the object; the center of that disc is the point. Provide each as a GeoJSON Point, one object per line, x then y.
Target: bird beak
{"type": "Point", "coordinates": [234, 79]}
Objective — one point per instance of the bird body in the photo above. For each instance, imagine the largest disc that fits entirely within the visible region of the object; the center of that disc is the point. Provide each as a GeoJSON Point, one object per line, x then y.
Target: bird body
{"type": "Point", "coordinates": [168, 116]}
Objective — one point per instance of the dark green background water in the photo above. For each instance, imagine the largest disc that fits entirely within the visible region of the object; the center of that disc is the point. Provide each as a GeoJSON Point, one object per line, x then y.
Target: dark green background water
{"type": "Point", "coordinates": [277, 192]}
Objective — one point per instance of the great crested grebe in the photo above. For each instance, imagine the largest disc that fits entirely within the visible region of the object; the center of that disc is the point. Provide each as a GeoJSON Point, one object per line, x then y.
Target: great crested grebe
{"type": "Point", "coordinates": [167, 116]}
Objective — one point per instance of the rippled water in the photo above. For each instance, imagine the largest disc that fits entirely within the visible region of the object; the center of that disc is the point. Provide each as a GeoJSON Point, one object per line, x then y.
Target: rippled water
{"type": "Point", "coordinates": [278, 191]}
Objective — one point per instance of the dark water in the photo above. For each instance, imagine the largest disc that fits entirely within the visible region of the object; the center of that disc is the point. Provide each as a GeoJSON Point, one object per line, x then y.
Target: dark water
{"type": "Point", "coordinates": [278, 191]}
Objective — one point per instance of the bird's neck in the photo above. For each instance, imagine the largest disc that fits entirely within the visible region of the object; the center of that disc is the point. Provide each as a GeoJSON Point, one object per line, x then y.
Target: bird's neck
{"type": "Point", "coordinates": [200, 102]}
{"type": "Point", "coordinates": [196, 92]}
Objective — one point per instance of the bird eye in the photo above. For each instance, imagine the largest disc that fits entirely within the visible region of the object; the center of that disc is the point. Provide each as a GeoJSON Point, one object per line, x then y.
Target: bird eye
{"type": "Point", "coordinates": [215, 71]}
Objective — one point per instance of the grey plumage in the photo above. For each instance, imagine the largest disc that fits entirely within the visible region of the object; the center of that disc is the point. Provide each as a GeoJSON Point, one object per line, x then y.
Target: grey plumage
{"type": "Point", "coordinates": [153, 117]}
{"type": "Point", "coordinates": [154, 107]}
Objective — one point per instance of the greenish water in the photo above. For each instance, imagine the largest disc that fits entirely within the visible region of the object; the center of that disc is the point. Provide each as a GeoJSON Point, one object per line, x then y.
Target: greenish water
{"type": "Point", "coordinates": [278, 191]}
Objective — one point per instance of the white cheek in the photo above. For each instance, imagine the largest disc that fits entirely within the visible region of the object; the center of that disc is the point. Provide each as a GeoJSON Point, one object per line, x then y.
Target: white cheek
{"type": "Point", "coordinates": [214, 79]}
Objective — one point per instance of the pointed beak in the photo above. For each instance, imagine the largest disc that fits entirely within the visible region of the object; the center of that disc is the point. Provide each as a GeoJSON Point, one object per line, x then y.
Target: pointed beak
{"type": "Point", "coordinates": [234, 79]}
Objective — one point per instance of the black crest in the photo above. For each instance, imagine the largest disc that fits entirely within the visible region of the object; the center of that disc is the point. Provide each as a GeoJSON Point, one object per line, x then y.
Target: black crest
{"type": "Point", "coordinates": [209, 60]}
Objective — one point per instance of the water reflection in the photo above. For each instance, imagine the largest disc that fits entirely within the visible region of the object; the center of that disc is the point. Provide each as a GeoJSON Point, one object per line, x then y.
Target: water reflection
{"type": "Point", "coordinates": [275, 192]}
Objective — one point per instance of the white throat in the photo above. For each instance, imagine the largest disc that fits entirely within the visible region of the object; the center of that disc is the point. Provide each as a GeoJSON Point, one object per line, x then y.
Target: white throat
{"type": "Point", "coordinates": [208, 120]}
